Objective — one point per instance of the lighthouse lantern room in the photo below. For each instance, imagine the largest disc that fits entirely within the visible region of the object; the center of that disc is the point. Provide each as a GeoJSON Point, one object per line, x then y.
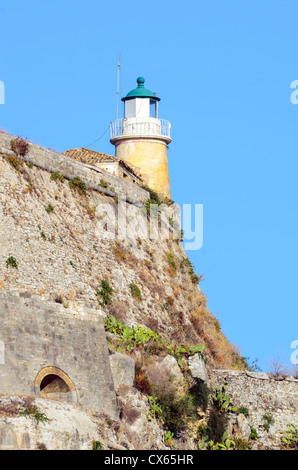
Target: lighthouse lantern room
{"type": "Point", "coordinates": [141, 138]}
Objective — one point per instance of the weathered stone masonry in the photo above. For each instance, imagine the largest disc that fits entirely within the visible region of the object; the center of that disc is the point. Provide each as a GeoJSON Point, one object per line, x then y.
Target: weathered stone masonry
{"type": "Point", "coordinates": [261, 394]}
{"type": "Point", "coordinates": [70, 168]}
{"type": "Point", "coordinates": [39, 334]}
{"type": "Point", "coordinates": [43, 339]}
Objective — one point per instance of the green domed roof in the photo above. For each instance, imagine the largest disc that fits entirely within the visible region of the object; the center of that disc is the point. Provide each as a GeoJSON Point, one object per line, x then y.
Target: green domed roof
{"type": "Point", "coordinates": [140, 92]}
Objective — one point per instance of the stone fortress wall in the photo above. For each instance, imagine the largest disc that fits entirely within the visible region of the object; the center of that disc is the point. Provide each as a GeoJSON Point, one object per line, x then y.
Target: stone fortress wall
{"type": "Point", "coordinates": [43, 339]}
{"type": "Point", "coordinates": [40, 338]}
{"type": "Point", "coordinates": [260, 394]}
{"type": "Point", "coordinates": [53, 161]}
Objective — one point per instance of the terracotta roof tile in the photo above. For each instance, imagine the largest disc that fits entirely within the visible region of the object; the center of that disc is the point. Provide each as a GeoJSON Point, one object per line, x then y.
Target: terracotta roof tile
{"type": "Point", "coordinates": [91, 157]}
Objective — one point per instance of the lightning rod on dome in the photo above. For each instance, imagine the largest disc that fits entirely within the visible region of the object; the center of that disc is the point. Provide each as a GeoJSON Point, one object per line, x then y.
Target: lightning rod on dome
{"type": "Point", "coordinates": [118, 78]}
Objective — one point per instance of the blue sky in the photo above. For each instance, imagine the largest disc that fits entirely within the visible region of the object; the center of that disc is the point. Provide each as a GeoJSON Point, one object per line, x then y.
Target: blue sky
{"type": "Point", "coordinates": [223, 71]}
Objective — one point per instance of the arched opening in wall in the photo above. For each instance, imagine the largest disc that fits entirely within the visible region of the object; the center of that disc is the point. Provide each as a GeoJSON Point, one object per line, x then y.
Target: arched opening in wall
{"type": "Point", "coordinates": [53, 386]}
{"type": "Point", "coordinates": [52, 382]}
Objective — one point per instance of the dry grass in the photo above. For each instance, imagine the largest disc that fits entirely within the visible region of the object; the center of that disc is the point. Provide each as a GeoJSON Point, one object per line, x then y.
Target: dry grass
{"type": "Point", "coordinates": [12, 408]}
{"type": "Point", "coordinates": [129, 414]}
{"type": "Point", "coordinates": [219, 350]}
{"type": "Point", "coordinates": [90, 211]}
{"type": "Point", "coordinates": [119, 309]}
{"type": "Point", "coordinates": [152, 324]}
{"type": "Point", "coordinates": [124, 254]}
{"type": "Point", "coordinates": [156, 288]}
{"type": "Point", "coordinates": [144, 275]}
{"type": "Point", "coordinates": [142, 382]}
{"type": "Point", "coordinates": [9, 410]}
{"type": "Point", "coordinates": [15, 162]}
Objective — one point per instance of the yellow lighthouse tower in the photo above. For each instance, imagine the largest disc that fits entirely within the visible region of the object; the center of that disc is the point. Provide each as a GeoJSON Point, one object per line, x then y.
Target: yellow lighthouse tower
{"type": "Point", "coordinates": [141, 138]}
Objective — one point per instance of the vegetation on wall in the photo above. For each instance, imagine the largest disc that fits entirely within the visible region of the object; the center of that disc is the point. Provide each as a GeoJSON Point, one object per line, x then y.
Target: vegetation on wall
{"type": "Point", "coordinates": [177, 406]}
{"type": "Point", "coordinates": [57, 176]}
{"type": "Point", "coordinates": [154, 197]}
{"type": "Point", "coordinates": [166, 284]}
{"type": "Point", "coordinates": [11, 262]}
{"type": "Point", "coordinates": [135, 291]}
{"type": "Point", "coordinates": [195, 279]}
{"type": "Point", "coordinates": [103, 293]}
{"type": "Point", "coordinates": [77, 184]}
{"type": "Point", "coordinates": [15, 162]}
{"type": "Point", "coordinates": [134, 337]}
{"type": "Point", "coordinates": [290, 439]}
{"type": "Point", "coordinates": [19, 146]}
{"type": "Point", "coordinates": [34, 412]}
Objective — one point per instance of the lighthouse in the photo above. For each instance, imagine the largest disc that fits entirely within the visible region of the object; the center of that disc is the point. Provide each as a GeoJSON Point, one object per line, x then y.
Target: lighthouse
{"type": "Point", "coordinates": [141, 138]}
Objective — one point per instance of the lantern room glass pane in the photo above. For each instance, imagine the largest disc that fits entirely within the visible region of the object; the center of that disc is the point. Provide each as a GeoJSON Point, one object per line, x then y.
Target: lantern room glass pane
{"type": "Point", "coordinates": [130, 108]}
{"type": "Point", "coordinates": [153, 108]}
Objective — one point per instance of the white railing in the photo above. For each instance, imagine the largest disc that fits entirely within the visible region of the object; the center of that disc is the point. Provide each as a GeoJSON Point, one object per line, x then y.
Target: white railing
{"type": "Point", "coordinates": [132, 126]}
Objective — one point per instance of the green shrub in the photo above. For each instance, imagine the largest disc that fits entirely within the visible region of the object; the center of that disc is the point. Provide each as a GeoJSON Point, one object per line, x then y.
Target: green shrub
{"type": "Point", "coordinates": [130, 337]}
{"type": "Point", "coordinates": [177, 411]}
{"type": "Point", "coordinates": [78, 185]}
{"type": "Point", "coordinates": [222, 401]}
{"type": "Point", "coordinates": [172, 222]}
{"type": "Point", "coordinates": [35, 413]}
{"type": "Point", "coordinates": [168, 438]}
{"type": "Point", "coordinates": [290, 440]}
{"type": "Point", "coordinates": [200, 394]}
{"type": "Point", "coordinates": [154, 196]}
{"type": "Point", "coordinates": [135, 291]}
{"type": "Point", "coordinates": [151, 206]}
{"type": "Point", "coordinates": [268, 421]}
{"type": "Point", "coordinates": [57, 176]}
{"type": "Point", "coordinates": [135, 336]}
{"type": "Point", "coordinates": [205, 443]}
{"type": "Point", "coordinates": [104, 291]}
{"type": "Point", "coordinates": [175, 407]}
{"type": "Point", "coordinates": [97, 445]}
{"type": "Point", "coordinates": [155, 409]}
{"type": "Point", "coordinates": [171, 261]}
{"type": "Point", "coordinates": [103, 183]}
{"type": "Point", "coordinates": [253, 434]}
{"type": "Point", "coordinates": [241, 444]}
{"type": "Point", "coordinates": [224, 444]}
{"type": "Point", "coordinates": [244, 411]}
{"type": "Point", "coordinates": [49, 209]}
{"type": "Point", "coordinates": [217, 424]}
{"type": "Point", "coordinates": [11, 262]}
{"type": "Point", "coordinates": [194, 278]}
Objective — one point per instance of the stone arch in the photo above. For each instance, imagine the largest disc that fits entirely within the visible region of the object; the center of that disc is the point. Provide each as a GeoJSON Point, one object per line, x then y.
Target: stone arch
{"type": "Point", "coordinates": [52, 382]}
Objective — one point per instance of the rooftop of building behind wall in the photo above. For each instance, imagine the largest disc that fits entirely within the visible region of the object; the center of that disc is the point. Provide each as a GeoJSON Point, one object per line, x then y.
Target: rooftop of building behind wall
{"type": "Point", "coordinates": [88, 156]}
{"type": "Point", "coordinates": [104, 161]}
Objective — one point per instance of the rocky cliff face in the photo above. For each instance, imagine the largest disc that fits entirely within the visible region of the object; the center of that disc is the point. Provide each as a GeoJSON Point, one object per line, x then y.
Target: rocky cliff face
{"type": "Point", "coordinates": [58, 243]}
{"type": "Point", "coordinates": [57, 238]}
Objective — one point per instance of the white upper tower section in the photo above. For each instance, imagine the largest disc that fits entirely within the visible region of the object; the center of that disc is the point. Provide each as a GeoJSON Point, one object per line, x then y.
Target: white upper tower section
{"type": "Point", "coordinates": [140, 116]}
